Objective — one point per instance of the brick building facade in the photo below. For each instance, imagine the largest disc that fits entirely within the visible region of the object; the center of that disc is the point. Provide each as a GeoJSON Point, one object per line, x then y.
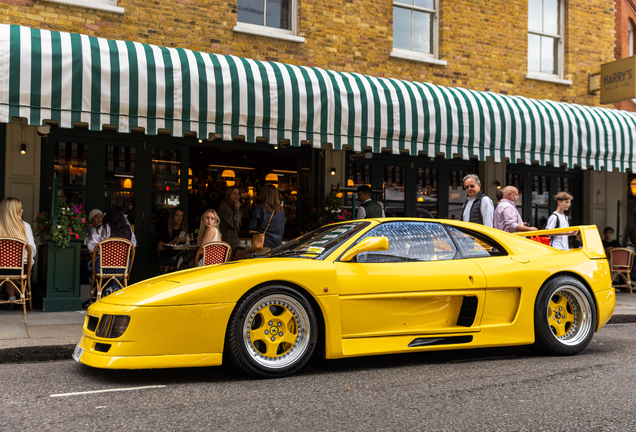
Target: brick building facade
{"type": "Point", "coordinates": [485, 42]}
{"type": "Point", "coordinates": [625, 20]}
{"type": "Point", "coordinates": [480, 45]}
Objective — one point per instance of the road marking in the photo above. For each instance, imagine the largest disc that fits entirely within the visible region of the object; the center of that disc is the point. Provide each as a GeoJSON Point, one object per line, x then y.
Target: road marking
{"type": "Point", "coordinates": [105, 391]}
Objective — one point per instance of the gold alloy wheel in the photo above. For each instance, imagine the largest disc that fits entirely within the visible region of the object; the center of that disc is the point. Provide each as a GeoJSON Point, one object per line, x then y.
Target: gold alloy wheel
{"type": "Point", "coordinates": [276, 330]}
{"type": "Point", "coordinates": [568, 315]}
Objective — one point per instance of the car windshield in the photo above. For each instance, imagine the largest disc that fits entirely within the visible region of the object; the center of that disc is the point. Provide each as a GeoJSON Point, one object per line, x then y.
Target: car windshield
{"type": "Point", "coordinates": [318, 243]}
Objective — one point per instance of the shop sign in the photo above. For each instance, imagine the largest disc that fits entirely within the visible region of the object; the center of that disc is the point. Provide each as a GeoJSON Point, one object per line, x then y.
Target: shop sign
{"type": "Point", "coordinates": [618, 80]}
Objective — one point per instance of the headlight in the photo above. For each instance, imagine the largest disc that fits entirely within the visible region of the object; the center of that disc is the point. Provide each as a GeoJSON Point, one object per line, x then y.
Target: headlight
{"type": "Point", "coordinates": [112, 326]}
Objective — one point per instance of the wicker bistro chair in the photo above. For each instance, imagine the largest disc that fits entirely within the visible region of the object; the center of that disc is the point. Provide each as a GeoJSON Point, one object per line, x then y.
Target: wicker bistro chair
{"type": "Point", "coordinates": [621, 261]}
{"type": "Point", "coordinates": [216, 252]}
{"type": "Point", "coordinates": [116, 256]}
{"type": "Point", "coordinates": [12, 253]}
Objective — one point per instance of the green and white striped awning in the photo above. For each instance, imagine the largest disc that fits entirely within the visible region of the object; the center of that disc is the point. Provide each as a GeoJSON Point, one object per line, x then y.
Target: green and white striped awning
{"type": "Point", "coordinates": [75, 78]}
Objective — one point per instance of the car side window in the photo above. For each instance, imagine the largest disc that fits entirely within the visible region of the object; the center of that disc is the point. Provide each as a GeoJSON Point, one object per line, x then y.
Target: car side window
{"type": "Point", "coordinates": [410, 241]}
{"type": "Point", "coordinates": [473, 246]}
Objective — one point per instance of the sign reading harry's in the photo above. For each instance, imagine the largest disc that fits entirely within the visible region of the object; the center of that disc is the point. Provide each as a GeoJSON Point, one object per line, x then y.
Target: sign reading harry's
{"type": "Point", "coordinates": [618, 80]}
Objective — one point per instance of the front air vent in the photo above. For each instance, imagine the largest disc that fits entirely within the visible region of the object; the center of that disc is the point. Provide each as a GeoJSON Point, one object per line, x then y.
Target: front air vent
{"type": "Point", "coordinates": [92, 323]}
{"type": "Point", "coordinates": [467, 312]}
{"type": "Point", "coordinates": [450, 340]}
{"type": "Point", "coordinates": [102, 347]}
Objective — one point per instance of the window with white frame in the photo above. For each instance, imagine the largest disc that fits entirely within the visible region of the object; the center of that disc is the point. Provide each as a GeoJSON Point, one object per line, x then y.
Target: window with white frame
{"type": "Point", "coordinates": [545, 37]}
{"type": "Point", "coordinates": [270, 18]}
{"type": "Point", "coordinates": [105, 5]}
{"type": "Point", "coordinates": [415, 28]}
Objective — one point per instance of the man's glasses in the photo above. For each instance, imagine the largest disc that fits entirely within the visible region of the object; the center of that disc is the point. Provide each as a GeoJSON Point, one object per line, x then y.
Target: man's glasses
{"type": "Point", "coordinates": [470, 186]}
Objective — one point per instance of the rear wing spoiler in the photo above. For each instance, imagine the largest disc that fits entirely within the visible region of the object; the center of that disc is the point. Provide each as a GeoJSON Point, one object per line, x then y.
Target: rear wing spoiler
{"type": "Point", "coordinates": [590, 237]}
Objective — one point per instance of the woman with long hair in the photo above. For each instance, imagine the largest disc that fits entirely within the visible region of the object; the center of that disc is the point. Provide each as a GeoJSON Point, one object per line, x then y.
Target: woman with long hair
{"type": "Point", "coordinates": [269, 218]}
{"type": "Point", "coordinates": [230, 214]}
{"type": "Point", "coordinates": [177, 222]}
{"type": "Point", "coordinates": [12, 225]}
{"type": "Point", "coordinates": [208, 232]}
{"type": "Point", "coordinates": [209, 228]}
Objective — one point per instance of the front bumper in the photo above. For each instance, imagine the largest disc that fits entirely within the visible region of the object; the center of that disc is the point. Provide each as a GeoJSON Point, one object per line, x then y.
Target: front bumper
{"type": "Point", "coordinates": [158, 337]}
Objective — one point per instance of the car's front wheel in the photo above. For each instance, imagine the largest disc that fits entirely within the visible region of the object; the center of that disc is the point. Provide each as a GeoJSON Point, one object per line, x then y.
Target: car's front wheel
{"type": "Point", "coordinates": [564, 317]}
{"type": "Point", "coordinates": [272, 332]}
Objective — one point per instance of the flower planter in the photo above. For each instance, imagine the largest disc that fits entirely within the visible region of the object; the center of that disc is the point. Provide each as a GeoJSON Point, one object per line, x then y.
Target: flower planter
{"type": "Point", "coordinates": [62, 277]}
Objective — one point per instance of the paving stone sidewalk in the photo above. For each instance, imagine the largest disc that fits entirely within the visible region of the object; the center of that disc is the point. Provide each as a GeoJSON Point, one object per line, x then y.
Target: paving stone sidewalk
{"type": "Point", "coordinates": [53, 335]}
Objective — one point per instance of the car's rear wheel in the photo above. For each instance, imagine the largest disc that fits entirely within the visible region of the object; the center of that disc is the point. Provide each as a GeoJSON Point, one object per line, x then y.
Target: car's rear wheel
{"type": "Point", "coordinates": [272, 332]}
{"type": "Point", "coordinates": [564, 317]}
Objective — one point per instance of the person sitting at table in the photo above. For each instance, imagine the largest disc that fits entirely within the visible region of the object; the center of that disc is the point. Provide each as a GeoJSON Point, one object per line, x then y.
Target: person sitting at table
{"type": "Point", "coordinates": [269, 218]}
{"type": "Point", "coordinates": [608, 243]}
{"type": "Point", "coordinates": [95, 218]}
{"type": "Point", "coordinates": [12, 225]}
{"type": "Point", "coordinates": [208, 232]}
{"type": "Point", "coordinates": [177, 222]}
{"type": "Point", "coordinates": [209, 228]}
{"type": "Point", "coordinates": [114, 225]}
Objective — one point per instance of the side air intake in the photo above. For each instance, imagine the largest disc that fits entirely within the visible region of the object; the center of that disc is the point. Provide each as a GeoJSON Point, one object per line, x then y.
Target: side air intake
{"type": "Point", "coordinates": [467, 312]}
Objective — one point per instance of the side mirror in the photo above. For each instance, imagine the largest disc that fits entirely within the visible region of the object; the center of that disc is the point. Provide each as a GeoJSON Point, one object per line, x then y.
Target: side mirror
{"type": "Point", "coordinates": [369, 244]}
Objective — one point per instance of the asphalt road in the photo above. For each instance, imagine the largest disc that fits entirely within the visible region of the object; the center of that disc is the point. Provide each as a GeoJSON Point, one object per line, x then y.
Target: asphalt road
{"type": "Point", "coordinates": [505, 389]}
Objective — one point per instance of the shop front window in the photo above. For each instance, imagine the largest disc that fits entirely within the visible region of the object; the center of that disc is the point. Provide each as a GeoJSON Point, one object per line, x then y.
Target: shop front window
{"type": "Point", "coordinates": [71, 160]}
{"type": "Point", "coordinates": [120, 179]}
{"type": "Point", "coordinates": [540, 201]}
{"type": "Point", "coordinates": [359, 174]}
{"type": "Point", "coordinates": [166, 186]}
{"type": "Point", "coordinates": [214, 170]}
{"type": "Point", "coordinates": [456, 193]}
{"type": "Point", "coordinates": [426, 193]}
{"type": "Point", "coordinates": [393, 184]}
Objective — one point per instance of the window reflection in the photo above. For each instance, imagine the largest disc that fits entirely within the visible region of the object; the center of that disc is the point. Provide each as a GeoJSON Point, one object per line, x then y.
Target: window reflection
{"type": "Point", "coordinates": [270, 13]}
{"type": "Point", "coordinates": [70, 163]}
{"type": "Point", "coordinates": [121, 164]}
{"type": "Point", "coordinates": [540, 201]}
{"type": "Point", "coordinates": [410, 241]}
{"type": "Point", "coordinates": [394, 178]}
{"type": "Point", "coordinates": [426, 192]}
{"type": "Point", "coordinates": [456, 193]}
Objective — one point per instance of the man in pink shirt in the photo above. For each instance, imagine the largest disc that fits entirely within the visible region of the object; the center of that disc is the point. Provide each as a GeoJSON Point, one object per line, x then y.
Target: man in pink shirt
{"type": "Point", "coordinates": [507, 218]}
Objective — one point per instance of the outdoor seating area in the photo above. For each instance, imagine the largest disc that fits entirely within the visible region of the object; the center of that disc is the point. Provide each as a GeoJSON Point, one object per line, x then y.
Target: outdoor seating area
{"type": "Point", "coordinates": [621, 261]}
{"type": "Point", "coordinates": [114, 257]}
{"type": "Point", "coordinates": [14, 253]}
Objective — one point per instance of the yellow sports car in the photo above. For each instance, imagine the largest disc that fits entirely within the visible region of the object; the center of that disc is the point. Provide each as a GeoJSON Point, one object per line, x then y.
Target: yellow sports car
{"type": "Point", "coordinates": [364, 287]}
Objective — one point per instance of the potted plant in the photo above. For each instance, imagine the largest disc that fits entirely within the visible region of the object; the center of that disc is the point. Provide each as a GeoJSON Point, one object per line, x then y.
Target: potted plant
{"type": "Point", "coordinates": [62, 234]}
{"type": "Point", "coordinates": [330, 212]}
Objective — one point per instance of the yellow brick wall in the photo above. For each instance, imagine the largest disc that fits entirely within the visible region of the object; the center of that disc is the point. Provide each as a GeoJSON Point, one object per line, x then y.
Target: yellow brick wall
{"type": "Point", "coordinates": [483, 41]}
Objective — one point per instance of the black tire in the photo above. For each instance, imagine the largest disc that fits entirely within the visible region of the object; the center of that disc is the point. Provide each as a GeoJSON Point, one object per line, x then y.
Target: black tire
{"type": "Point", "coordinates": [564, 317]}
{"type": "Point", "coordinates": [264, 315]}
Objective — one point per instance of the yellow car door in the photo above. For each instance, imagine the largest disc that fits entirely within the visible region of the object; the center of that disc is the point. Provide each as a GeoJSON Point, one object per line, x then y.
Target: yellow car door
{"type": "Point", "coordinates": [420, 285]}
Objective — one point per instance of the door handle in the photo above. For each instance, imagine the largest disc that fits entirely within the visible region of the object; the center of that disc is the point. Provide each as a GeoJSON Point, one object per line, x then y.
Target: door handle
{"type": "Point", "coordinates": [520, 259]}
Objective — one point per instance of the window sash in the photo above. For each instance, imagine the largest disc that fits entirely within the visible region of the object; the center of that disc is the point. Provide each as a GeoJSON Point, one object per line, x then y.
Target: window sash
{"type": "Point", "coordinates": [557, 45]}
{"type": "Point", "coordinates": [288, 7]}
{"type": "Point", "coordinates": [432, 32]}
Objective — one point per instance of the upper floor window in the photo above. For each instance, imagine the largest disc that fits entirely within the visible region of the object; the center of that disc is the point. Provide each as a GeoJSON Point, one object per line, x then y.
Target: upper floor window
{"type": "Point", "coordinates": [415, 30]}
{"type": "Point", "coordinates": [105, 5]}
{"type": "Point", "coordinates": [268, 13]}
{"type": "Point", "coordinates": [270, 18]}
{"type": "Point", "coordinates": [545, 37]}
